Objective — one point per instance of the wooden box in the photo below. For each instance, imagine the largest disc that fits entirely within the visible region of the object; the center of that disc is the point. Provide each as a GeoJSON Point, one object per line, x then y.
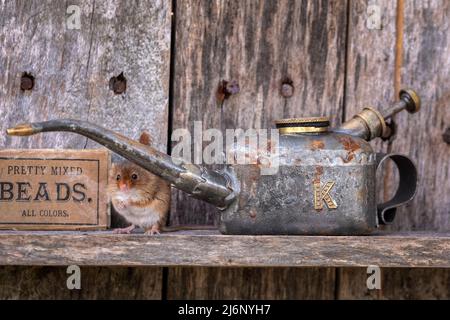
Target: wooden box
{"type": "Point", "coordinates": [54, 189]}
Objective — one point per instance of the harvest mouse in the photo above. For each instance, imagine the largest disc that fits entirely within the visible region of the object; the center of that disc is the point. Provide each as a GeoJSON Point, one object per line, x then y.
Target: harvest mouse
{"type": "Point", "coordinates": [141, 197]}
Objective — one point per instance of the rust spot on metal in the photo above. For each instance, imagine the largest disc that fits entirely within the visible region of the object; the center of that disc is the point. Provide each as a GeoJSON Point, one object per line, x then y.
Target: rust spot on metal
{"type": "Point", "coordinates": [319, 170]}
{"type": "Point", "coordinates": [253, 174]}
{"type": "Point", "coordinates": [350, 157]}
{"type": "Point", "coordinates": [26, 81]}
{"type": "Point", "coordinates": [361, 194]}
{"type": "Point", "coordinates": [263, 155]}
{"type": "Point", "coordinates": [316, 144]}
{"type": "Point", "coordinates": [318, 173]}
{"type": "Point", "coordinates": [351, 146]}
{"type": "Point", "coordinates": [269, 145]}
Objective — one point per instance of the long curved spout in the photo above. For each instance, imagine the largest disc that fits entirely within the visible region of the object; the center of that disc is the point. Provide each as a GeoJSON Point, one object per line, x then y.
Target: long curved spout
{"type": "Point", "coordinates": [200, 182]}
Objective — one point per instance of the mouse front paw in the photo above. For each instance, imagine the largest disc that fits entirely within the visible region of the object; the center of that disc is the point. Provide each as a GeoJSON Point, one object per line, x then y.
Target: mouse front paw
{"type": "Point", "coordinates": [126, 230]}
{"type": "Point", "coordinates": [154, 230]}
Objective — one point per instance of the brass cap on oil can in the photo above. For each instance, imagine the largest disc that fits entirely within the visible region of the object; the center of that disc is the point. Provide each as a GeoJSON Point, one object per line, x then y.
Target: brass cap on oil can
{"type": "Point", "coordinates": [303, 125]}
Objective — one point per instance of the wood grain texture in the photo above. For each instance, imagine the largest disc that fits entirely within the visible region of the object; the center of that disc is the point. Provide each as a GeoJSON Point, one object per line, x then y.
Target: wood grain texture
{"type": "Point", "coordinates": [406, 283]}
{"type": "Point", "coordinates": [208, 248]}
{"type": "Point", "coordinates": [18, 282]}
{"type": "Point", "coordinates": [80, 170]}
{"type": "Point", "coordinates": [424, 58]}
{"type": "Point", "coordinates": [426, 66]}
{"type": "Point", "coordinates": [72, 68]}
{"type": "Point", "coordinates": [370, 56]}
{"type": "Point", "coordinates": [369, 82]}
{"type": "Point", "coordinates": [251, 283]}
{"type": "Point", "coordinates": [258, 44]}
{"type": "Point", "coordinates": [371, 65]}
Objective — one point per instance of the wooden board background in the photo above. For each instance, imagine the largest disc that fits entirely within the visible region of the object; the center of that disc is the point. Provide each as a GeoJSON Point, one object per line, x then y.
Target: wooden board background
{"type": "Point", "coordinates": [72, 70]}
{"type": "Point", "coordinates": [259, 44]}
{"type": "Point", "coordinates": [412, 49]}
{"type": "Point", "coordinates": [335, 62]}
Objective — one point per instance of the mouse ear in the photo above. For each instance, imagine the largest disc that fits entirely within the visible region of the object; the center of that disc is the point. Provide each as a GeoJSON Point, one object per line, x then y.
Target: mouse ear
{"type": "Point", "coordinates": [145, 138]}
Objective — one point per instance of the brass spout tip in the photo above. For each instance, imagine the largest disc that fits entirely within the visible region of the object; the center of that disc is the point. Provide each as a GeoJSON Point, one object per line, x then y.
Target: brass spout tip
{"type": "Point", "coordinates": [412, 100]}
{"type": "Point", "coordinates": [21, 130]}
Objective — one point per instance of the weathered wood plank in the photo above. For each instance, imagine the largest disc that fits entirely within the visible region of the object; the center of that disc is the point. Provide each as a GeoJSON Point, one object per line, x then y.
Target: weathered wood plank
{"type": "Point", "coordinates": [405, 283]}
{"type": "Point", "coordinates": [189, 248]}
{"type": "Point", "coordinates": [72, 68]}
{"type": "Point", "coordinates": [251, 283]}
{"type": "Point", "coordinates": [369, 80]}
{"type": "Point", "coordinates": [420, 43]}
{"type": "Point", "coordinates": [426, 66]}
{"type": "Point", "coordinates": [88, 169]}
{"type": "Point", "coordinates": [370, 56]}
{"type": "Point", "coordinates": [19, 282]}
{"type": "Point", "coordinates": [371, 63]}
{"type": "Point", "coordinates": [258, 44]}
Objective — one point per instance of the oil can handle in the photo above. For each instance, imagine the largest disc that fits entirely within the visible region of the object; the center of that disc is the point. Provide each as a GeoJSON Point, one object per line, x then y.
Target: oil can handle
{"type": "Point", "coordinates": [406, 189]}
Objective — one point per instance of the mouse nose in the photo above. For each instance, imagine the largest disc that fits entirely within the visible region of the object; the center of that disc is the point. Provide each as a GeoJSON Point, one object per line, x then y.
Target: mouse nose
{"type": "Point", "coordinates": [123, 186]}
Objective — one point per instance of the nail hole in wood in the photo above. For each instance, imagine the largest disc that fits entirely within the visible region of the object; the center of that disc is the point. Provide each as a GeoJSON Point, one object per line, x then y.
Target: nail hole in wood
{"type": "Point", "coordinates": [287, 88]}
{"type": "Point", "coordinates": [26, 81]}
{"type": "Point", "coordinates": [118, 84]}
{"type": "Point", "coordinates": [227, 89]}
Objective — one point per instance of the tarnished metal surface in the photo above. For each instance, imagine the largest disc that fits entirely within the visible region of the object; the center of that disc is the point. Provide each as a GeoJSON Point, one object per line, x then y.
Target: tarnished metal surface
{"type": "Point", "coordinates": [406, 190]}
{"type": "Point", "coordinates": [285, 203]}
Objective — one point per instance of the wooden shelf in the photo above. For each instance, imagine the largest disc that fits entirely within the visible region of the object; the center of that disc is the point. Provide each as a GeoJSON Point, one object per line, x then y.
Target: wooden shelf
{"type": "Point", "coordinates": [209, 248]}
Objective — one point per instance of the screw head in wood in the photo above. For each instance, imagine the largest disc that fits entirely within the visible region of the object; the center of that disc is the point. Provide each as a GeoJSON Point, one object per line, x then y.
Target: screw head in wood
{"type": "Point", "coordinates": [26, 81]}
{"type": "Point", "coordinates": [227, 89]}
{"type": "Point", "coordinates": [118, 84]}
{"type": "Point", "coordinates": [446, 136]}
{"type": "Point", "coordinates": [287, 88]}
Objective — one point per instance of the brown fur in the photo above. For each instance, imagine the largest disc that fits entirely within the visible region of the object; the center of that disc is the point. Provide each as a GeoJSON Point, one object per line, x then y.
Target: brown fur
{"type": "Point", "coordinates": [150, 191]}
{"type": "Point", "coordinates": [145, 138]}
{"type": "Point", "coordinates": [153, 193]}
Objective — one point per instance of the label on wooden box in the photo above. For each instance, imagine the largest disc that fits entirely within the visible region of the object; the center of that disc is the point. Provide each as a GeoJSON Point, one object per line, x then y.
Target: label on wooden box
{"type": "Point", "coordinates": [54, 189]}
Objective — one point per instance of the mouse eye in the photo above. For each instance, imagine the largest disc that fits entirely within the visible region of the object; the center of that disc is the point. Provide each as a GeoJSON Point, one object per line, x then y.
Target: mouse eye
{"type": "Point", "coordinates": [134, 176]}
{"type": "Point", "coordinates": [118, 177]}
